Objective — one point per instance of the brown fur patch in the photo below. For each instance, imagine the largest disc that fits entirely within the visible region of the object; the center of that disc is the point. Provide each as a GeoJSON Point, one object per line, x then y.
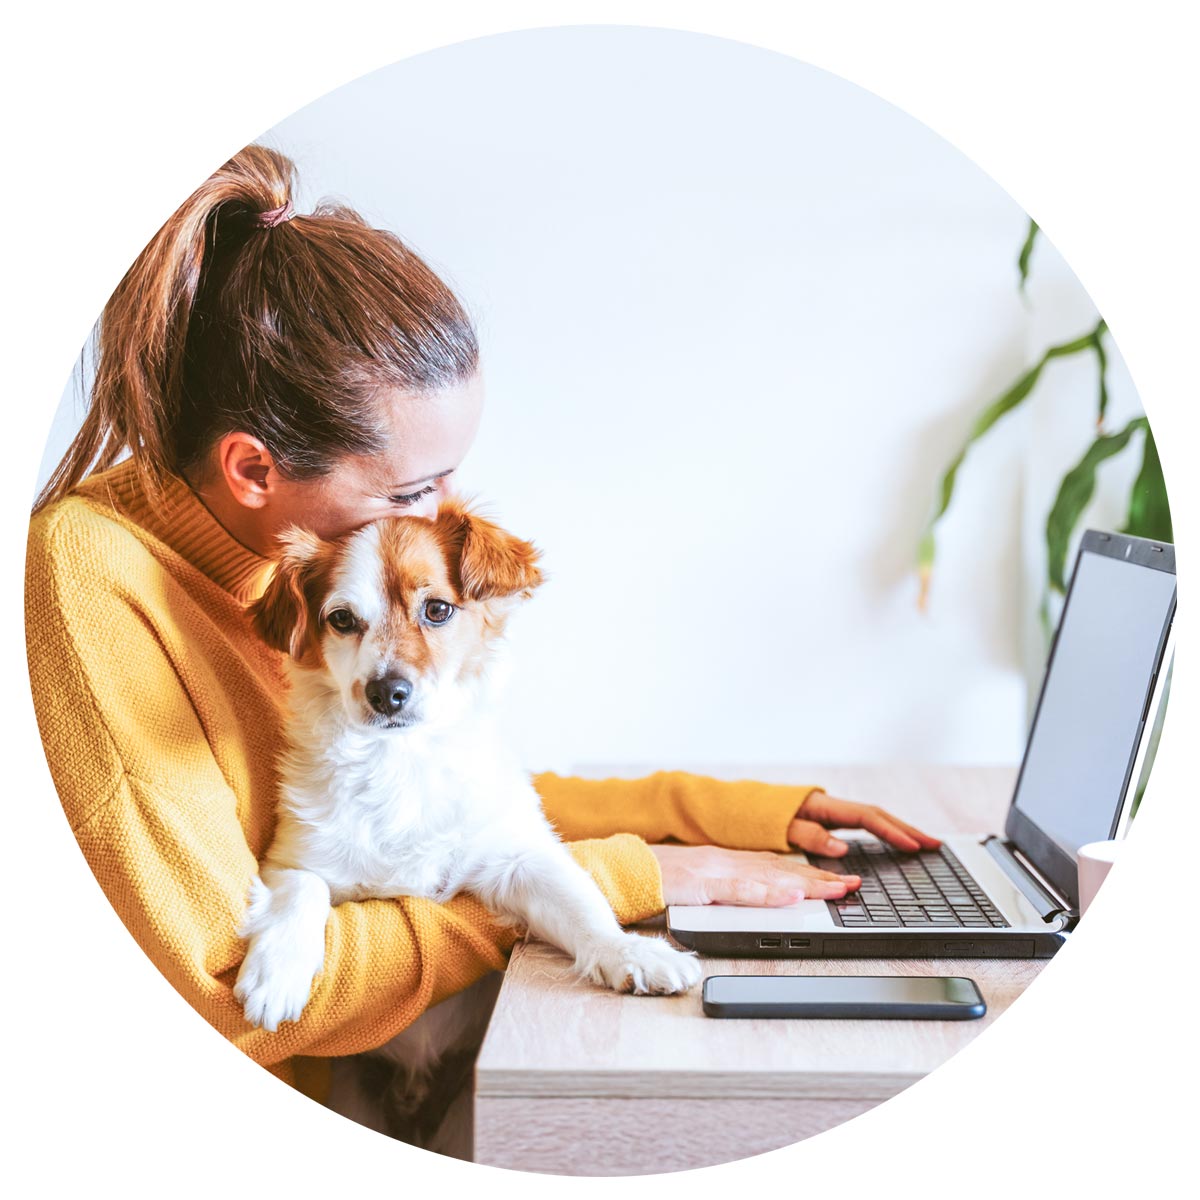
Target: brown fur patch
{"type": "Point", "coordinates": [285, 616]}
{"type": "Point", "coordinates": [414, 571]}
{"type": "Point", "coordinates": [488, 561]}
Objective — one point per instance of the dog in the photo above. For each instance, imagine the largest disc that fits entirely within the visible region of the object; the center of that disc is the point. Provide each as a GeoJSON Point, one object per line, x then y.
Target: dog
{"type": "Point", "coordinates": [396, 781]}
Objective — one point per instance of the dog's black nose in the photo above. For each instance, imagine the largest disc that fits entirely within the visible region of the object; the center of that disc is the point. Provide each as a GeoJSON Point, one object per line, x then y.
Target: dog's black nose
{"type": "Point", "coordinates": [389, 694]}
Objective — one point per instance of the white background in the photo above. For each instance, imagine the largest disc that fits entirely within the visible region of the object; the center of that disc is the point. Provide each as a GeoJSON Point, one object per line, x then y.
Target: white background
{"type": "Point", "coordinates": [737, 316]}
{"type": "Point", "coordinates": [1082, 112]}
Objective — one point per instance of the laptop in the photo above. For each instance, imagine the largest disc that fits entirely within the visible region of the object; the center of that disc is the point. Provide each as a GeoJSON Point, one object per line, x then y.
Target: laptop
{"type": "Point", "coordinates": [1013, 894]}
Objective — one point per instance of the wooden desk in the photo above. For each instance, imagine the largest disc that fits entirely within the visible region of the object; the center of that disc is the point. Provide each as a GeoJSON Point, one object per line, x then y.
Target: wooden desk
{"type": "Point", "coordinates": [575, 1080]}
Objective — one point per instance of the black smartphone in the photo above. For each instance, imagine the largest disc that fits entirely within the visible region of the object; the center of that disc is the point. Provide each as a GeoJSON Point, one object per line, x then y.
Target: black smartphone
{"type": "Point", "coordinates": [848, 997]}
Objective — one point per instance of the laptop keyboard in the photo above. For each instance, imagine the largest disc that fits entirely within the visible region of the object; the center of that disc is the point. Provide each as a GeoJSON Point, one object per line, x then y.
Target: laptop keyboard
{"type": "Point", "coordinates": [928, 888]}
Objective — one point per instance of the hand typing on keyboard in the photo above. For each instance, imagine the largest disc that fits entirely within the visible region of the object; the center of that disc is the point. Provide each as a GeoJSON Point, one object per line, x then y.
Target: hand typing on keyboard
{"type": "Point", "coordinates": [809, 829]}
{"type": "Point", "coordinates": [714, 875]}
{"type": "Point", "coordinates": [927, 888]}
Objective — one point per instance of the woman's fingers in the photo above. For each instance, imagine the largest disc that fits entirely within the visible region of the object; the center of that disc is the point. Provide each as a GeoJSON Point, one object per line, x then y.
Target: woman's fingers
{"type": "Point", "coordinates": [711, 875]}
{"type": "Point", "coordinates": [847, 814]}
{"type": "Point", "coordinates": [791, 866]}
{"type": "Point", "coordinates": [752, 892]}
{"type": "Point", "coordinates": [770, 892]}
{"type": "Point", "coordinates": [892, 830]}
{"type": "Point", "coordinates": [782, 877]}
{"type": "Point", "coordinates": [815, 839]}
{"type": "Point", "coordinates": [830, 889]}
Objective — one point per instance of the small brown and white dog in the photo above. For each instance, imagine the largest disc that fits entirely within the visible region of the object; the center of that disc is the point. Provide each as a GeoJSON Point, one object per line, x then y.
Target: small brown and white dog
{"type": "Point", "coordinates": [396, 781]}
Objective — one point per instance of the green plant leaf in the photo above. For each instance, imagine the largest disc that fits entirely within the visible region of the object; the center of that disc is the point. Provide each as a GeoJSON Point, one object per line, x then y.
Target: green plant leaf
{"type": "Point", "coordinates": [1026, 253]}
{"type": "Point", "coordinates": [1075, 492]}
{"type": "Point", "coordinates": [1102, 362]}
{"type": "Point", "coordinates": [1005, 403]}
{"type": "Point", "coordinates": [1149, 512]}
{"type": "Point", "coordinates": [1044, 621]}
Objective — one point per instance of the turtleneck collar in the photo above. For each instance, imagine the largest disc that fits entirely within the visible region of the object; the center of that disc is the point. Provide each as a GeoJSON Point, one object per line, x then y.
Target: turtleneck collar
{"type": "Point", "coordinates": [175, 515]}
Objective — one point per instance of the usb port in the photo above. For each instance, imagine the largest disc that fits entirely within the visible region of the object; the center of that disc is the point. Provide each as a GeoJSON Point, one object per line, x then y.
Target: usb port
{"type": "Point", "coordinates": [770, 943]}
{"type": "Point", "coordinates": [798, 943]}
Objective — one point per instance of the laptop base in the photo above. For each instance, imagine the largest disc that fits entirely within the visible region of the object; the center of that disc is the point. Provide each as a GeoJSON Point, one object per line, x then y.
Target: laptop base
{"type": "Point", "coordinates": [842, 943]}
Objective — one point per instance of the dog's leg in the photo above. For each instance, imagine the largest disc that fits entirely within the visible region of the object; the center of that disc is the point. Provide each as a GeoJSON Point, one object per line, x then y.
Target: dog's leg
{"type": "Point", "coordinates": [540, 885]}
{"type": "Point", "coordinates": [285, 926]}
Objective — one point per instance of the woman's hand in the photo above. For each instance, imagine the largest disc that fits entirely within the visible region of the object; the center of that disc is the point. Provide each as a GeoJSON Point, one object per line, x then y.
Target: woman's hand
{"type": "Point", "coordinates": [808, 829]}
{"type": "Point", "coordinates": [711, 875]}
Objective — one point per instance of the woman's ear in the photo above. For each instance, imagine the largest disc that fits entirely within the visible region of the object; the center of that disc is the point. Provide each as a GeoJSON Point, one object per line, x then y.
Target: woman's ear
{"type": "Point", "coordinates": [280, 616]}
{"type": "Point", "coordinates": [490, 561]}
{"type": "Point", "coordinates": [246, 464]}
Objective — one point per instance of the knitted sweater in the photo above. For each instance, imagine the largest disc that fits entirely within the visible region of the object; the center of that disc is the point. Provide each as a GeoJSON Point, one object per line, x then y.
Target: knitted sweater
{"type": "Point", "coordinates": [162, 717]}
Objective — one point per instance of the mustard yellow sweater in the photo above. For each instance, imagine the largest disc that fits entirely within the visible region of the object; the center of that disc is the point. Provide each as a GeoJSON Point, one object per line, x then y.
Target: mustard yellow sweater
{"type": "Point", "coordinates": [162, 718]}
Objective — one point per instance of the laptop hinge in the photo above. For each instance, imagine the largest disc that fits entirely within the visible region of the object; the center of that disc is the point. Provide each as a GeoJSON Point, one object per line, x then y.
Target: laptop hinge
{"type": "Point", "coordinates": [1039, 894]}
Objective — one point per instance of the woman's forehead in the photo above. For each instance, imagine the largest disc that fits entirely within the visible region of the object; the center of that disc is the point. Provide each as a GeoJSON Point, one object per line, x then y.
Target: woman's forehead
{"type": "Point", "coordinates": [428, 433]}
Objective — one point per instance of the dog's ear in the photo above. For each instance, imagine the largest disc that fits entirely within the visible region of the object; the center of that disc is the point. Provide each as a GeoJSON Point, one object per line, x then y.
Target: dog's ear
{"type": "Point", "coordinates": [490, 561]}
{"type": "Point", "coordinates": [280, 615]}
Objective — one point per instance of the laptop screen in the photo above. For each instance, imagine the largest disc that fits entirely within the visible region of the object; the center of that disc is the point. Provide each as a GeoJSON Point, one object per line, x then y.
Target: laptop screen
{"type": "Point", "coordinates": [1086, 730]}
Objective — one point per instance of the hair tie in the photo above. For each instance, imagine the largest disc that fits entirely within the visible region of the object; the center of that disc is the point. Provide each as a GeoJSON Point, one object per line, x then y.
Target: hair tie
{"type": "Point", "coordinates": [276, 216]}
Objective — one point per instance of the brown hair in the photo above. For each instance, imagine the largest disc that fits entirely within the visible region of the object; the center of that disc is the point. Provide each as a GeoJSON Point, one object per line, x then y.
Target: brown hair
{"type": "Point", "coordinates": [287, 332]}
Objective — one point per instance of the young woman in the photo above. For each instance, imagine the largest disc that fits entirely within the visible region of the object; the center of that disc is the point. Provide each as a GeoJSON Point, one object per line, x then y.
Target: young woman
{"type": "Point", "coordinates": [259, 368]}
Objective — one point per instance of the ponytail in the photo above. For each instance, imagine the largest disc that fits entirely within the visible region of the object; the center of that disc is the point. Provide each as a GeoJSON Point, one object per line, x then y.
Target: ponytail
{"type": "Point", "coordinates": [284, 329]}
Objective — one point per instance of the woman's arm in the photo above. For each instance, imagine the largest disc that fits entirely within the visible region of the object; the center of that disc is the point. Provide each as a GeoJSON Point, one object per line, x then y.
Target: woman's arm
{"type": "Point", "coordinates": [694, 809]}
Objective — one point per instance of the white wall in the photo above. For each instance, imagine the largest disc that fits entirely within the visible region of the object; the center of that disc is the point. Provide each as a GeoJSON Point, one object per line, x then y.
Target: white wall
{"type": "Point", "coordinates": [737, 315]}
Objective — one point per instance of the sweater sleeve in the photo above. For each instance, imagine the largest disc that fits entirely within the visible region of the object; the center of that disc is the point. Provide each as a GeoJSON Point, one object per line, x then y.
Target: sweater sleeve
{"type": "Point", "coordinates": [697, 810]}
{"type": "Point", "coordinates": [159, 824]}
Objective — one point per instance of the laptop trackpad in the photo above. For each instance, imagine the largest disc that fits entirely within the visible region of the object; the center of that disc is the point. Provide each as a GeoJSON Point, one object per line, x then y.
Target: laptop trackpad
{"type": "Point", "coordinates": [807, 914]}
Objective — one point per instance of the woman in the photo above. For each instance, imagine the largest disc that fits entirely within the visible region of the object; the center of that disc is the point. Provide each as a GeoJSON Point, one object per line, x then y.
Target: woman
{"type": "Point", "coordinates": [259, 369]}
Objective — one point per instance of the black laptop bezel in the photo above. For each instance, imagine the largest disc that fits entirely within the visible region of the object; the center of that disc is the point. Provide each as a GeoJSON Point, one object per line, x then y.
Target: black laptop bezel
{"type": "Point", "coordinates": [1055, 864]}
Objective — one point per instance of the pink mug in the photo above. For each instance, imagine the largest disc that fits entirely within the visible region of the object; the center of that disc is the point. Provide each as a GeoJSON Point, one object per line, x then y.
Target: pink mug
{"type": "Point", "coordinates": [1095, 860]}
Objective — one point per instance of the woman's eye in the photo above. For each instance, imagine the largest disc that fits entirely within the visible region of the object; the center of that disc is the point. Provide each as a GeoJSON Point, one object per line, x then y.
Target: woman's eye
{"type": "Point", "coordinates": [413, 497]}
{"type": "Point", "coordinates": [342, 620]}
{"type": "Point", "coordinates": [437, 612]}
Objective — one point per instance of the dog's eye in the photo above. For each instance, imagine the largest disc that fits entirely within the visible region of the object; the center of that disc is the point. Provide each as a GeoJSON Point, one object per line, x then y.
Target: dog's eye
{"type": "Point", "coordinates": [438, 612]}
{"type": "Point", "coordinates": [342, 620]}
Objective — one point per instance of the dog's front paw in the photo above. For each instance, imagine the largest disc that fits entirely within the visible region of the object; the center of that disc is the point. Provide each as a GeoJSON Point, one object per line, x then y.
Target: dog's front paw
{"type": "Point", "coordinates": [642, 965]}
{"type": "Point", "coordinates": [274, 982]}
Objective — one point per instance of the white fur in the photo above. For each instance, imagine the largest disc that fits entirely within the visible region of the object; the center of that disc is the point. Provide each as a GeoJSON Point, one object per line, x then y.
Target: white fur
{"type": "Point", "coordinates": [431, 809]}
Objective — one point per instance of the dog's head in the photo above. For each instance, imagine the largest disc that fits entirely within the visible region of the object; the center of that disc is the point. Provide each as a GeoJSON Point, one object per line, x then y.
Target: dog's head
{"type": "Point", "coordinates": [402, 613]}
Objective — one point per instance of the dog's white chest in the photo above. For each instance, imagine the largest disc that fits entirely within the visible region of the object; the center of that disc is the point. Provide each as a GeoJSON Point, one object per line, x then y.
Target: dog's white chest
{"type": "Point", "coordinates": [375, 852]}
{"type": "Point", "coordinates": [400, 821]}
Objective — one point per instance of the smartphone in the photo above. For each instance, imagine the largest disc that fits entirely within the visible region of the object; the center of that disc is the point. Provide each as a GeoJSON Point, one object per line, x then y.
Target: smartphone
{"type": "Point", "coordinates": [848, 997]}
